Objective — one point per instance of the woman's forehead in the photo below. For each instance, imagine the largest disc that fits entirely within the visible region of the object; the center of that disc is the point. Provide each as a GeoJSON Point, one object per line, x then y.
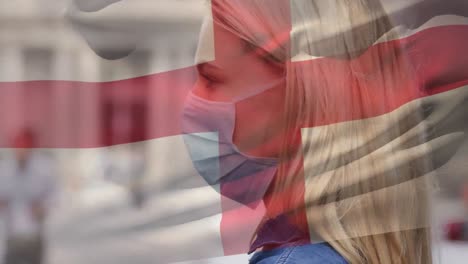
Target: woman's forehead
{"type": "Point", "coordinates": [217, 40]}
{"type": "Point", "coordinates": [206, 49]}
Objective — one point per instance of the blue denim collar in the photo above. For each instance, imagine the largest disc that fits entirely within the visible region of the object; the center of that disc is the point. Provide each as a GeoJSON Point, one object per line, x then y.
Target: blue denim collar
{"type": "Point", "coordinates": [278, 232]}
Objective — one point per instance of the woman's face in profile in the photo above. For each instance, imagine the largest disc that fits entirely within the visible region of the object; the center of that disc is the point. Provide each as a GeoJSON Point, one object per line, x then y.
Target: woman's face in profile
{"type": "Point", "coordinates": [243, 70]}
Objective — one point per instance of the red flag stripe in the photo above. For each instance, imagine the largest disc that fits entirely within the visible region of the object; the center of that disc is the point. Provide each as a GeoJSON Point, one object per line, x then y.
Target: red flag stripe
{"type": "Point", "coordinates": [438, 59]}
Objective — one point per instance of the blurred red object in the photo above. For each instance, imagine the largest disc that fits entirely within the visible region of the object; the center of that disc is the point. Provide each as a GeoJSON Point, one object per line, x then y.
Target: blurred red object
{"type": "Point", "coordinates": [455, 231]}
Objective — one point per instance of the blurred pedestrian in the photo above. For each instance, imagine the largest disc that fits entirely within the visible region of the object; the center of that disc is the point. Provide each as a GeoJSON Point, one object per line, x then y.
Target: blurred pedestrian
{"type": "Point", "coordinates": [26, 188]}
{"type": "Point", "coordinates": [126, 166]}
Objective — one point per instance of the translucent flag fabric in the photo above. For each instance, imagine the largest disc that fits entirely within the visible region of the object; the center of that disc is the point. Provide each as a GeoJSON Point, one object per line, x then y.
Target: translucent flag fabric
{"type": "Point", "coordinates": [187, 130]}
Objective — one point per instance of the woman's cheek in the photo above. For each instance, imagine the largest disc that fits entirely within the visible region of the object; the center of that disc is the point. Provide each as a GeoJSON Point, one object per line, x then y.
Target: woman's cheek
{"type": "Point", "coordinates": [205, 89]}
{"type": "Point", "coordinates": [258, 130]}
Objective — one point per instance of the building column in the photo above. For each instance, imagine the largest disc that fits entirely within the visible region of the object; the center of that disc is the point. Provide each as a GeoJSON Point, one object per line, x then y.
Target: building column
{"type": "Point", "coordinates": [88, 123]}
{"type": "Point", "coordinates": [64, 96]}
{"type": "Point", "coordinates": [11, 101]}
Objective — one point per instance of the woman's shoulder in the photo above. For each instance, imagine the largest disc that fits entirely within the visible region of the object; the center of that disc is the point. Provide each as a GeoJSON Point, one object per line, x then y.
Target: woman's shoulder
{"type": "Point", "coordinates": [319, 253]}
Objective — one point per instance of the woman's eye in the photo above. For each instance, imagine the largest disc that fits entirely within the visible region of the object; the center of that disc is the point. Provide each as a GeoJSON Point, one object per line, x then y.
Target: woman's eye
{"type": "Point", "coordinates": [210, 73]}
{"type": "Point", "coordinates": [268, 58]}
{"type": "Point", "coordinates": [210, 80]}
{"type": "Point", "coordinates": [264, 56]}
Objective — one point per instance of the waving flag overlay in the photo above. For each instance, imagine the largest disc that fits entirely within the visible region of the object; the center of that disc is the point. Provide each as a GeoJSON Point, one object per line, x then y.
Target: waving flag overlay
{"type": "Point", "coordinates": [109, 84]}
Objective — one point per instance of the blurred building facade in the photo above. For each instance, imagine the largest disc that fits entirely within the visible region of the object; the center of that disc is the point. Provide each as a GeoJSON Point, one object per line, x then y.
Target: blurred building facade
{"type": "Point", "coordinates": [39, 40]}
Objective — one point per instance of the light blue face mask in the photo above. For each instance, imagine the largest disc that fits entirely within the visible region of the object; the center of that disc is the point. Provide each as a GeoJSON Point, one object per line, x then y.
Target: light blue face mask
{"type": "Point", "coordinates": [208, 128]}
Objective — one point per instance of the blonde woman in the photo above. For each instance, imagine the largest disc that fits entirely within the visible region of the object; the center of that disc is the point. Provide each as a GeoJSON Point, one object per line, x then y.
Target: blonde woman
{"type": "Point", "coordinates": [322, 118]}
{"type": "Point", "coordinates": [316, 112]}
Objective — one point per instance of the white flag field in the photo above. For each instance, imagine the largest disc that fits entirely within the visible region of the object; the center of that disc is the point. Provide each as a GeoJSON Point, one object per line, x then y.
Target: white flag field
{"type": "Point", "coordinates": [103, 85]}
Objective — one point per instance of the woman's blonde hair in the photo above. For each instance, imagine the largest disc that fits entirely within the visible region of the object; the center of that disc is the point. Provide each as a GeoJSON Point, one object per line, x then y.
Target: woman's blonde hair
{"type": "Point", "coordinates": [369, 215]}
